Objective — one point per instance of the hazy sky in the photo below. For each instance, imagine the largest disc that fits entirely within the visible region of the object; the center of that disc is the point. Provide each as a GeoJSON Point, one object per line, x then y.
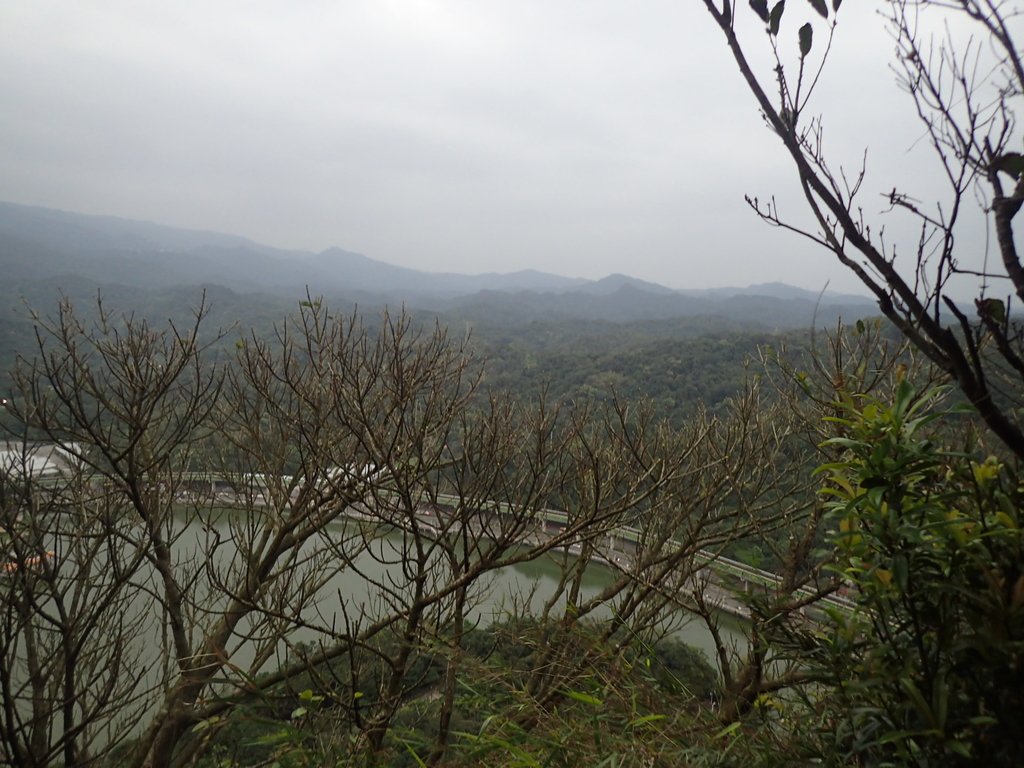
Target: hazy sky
{"type": "Point", "coordinates": [582, 137]}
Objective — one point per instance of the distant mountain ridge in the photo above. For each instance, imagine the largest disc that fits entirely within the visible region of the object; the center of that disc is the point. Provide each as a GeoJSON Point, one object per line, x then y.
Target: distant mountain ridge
{"type": "Point", "coordinates": [42, 245]}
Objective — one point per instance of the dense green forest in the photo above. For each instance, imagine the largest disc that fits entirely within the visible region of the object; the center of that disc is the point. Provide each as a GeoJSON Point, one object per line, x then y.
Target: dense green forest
{"type": "Point", "coordinates": [676, 364]}
{"type": "Point", "coordinates": [676, 375]}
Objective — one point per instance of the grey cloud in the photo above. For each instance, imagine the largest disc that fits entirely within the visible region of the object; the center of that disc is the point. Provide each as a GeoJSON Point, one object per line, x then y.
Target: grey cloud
{"type": "Point", "coordinates": [578, 137]}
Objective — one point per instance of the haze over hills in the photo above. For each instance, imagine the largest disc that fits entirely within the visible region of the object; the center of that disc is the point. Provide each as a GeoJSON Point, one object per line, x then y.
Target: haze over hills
{"type": "Point", "coordinates": [41, 248]}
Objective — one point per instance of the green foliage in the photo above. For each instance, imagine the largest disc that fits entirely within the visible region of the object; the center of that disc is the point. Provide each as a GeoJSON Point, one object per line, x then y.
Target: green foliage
{"type": "Point", "coordinates": [627, 708]}
{"type": "Point", "coordinates": [679, 668]}
{"type": "Point", "coordinates": [676, 375]}
{"type": "Point", "coordinates": [928, 669]}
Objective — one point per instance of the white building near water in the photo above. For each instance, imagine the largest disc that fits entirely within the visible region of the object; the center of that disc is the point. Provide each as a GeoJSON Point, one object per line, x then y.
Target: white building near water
{"type": "Point", "coordinates": [34, 459]}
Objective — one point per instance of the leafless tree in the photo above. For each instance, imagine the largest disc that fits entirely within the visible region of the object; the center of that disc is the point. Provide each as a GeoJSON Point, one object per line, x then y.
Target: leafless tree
{"type": "Point", "coordinates": [965, 80]}
{"type": "Point", "coordinates": [202, 524]}
{"type": "Point", "coordinates": [504, 469]}
{"type": "Point", "coordinates": [727, 476]}
{"type": "Point", "coordinates": [70, 674]}
{"type": "Point", "coordinates": [190, 555]}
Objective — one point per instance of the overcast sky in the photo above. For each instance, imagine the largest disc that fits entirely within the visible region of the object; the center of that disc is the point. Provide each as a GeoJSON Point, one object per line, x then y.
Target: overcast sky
{"type": "Point", "coordinates": [582, 137]}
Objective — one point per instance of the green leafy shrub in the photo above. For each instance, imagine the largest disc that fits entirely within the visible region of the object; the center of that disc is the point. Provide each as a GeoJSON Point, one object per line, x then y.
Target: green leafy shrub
{"type": "Point", "coordinates": [929, 667]}
{"type": "Point", "coordinates": [682, 669]}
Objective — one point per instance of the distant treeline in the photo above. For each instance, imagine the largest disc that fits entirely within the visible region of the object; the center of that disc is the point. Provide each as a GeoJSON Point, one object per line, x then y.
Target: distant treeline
{"type": "Point", "coordinates": [674, 364]}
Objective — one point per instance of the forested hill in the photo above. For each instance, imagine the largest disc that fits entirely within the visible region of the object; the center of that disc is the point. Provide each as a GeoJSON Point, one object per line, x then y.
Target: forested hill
{"type": "Point", "coordinates": [43, 249]}
{"type": "Point", "coordinates": [576, 338]}
{"type": "Point", "coordinates": [675, 363]}
{"type": "Point", "coordinates": [674, 375]}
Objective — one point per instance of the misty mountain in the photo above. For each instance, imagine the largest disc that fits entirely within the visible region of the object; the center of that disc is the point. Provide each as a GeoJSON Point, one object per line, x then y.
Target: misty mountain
{"type": "Point", "coordinates": [629, 304]}
{"type": "Point", "coordinates": [41, 249]}
{"type": "Point", "coordinates": [40, 243]}
{"type": "Point", "coordinates": [615, 283]}
{"type": "Point", "coordinates": [343, 271]}
{"type": "Point", "coordinates": [779, 291]}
